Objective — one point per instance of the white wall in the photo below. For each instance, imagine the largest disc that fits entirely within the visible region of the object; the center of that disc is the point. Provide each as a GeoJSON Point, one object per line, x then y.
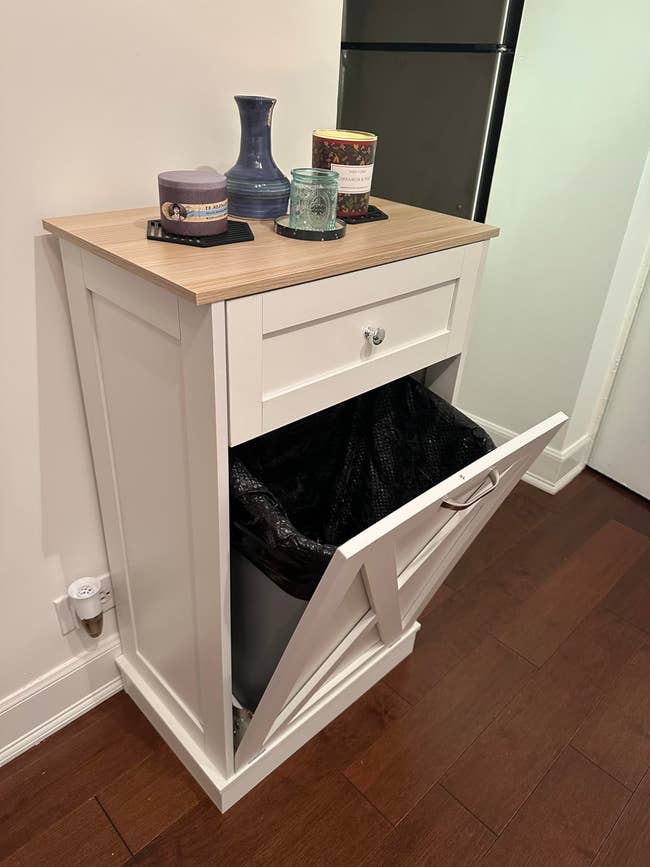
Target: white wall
{"type": "Point", "coordinates": [575, 136]}
{"type": "Point", "coordinates": [96, 99]}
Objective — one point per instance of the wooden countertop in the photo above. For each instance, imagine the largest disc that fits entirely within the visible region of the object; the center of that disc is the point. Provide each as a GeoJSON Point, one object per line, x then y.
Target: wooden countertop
{"type": "Point", "coordinates": [268, 262]}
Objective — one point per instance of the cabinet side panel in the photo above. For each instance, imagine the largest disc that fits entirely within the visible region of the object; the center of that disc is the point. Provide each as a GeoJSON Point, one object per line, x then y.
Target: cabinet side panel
{"type": "Point", "coordinates": [244, 338]}
{"type": "Point", "coordinates": [143, 388]}
{"type": "Point", "coordinates": [444, 378]}
{"type": "Point", "coordinates": [203, 340]}
{"type": "Point", "coordinates": [83, 329]}
{"type": "Point", "coordinates": [470, 283]}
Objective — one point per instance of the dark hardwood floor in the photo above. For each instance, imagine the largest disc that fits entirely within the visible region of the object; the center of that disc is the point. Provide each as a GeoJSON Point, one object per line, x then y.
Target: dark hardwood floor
{"type": "Point", "coordinates": [517, 734]}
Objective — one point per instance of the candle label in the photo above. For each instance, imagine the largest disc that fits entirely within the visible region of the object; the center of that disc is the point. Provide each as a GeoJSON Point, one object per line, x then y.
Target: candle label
{"type": "Point", "coordinates": [353, 179]}
{"type": "Point", "coordinates": [196, 212]}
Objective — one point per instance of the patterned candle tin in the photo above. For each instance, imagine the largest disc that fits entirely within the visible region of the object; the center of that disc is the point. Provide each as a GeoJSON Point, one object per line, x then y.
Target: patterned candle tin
{"type": "Point", "coordinates": [351, 154]}
{"type": "Point", "coordinates": [193, 203]}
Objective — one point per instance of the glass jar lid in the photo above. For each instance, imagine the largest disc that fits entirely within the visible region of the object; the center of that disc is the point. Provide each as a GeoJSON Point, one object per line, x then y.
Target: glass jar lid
{"type": "Point", "coordinates": [315, 176]}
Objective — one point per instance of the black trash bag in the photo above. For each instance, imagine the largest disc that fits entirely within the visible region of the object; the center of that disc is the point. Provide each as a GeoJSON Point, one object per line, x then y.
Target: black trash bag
{"type": "Point", "coordinates": [299, 492]}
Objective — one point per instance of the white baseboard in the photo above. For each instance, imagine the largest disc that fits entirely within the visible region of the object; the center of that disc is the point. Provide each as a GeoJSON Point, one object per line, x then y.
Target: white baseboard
{"type": "Point", "coordinates": [59, 696]}
{"type": "Point", "coordinates": [554, 468]}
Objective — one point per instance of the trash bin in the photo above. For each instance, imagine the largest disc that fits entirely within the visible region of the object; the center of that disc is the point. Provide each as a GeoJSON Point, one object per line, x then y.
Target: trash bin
{"type": "Point", "coordinates": [299, 492]}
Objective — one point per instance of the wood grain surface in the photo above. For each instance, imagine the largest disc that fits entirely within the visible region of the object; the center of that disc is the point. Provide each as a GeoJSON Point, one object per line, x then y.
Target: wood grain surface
{"type": "Point", "coordinates": [438, 832]}
{"type": "Point", "coordinates": [616, 735]}
{"type": "Point", "coordinates": [628, 845]}
{"type": "Point", "coordinates": [393, 774]}
{"type": "Point", "coordinates": [551, 614]}
{"type": "Point", "coordinates": [83, 837]}
{"type": "Point", "coordinates": [508, 760]}
{"type": "Point", "coordinates": [270, 261]}
{"type": "Point", "coordinates": [565, 820]}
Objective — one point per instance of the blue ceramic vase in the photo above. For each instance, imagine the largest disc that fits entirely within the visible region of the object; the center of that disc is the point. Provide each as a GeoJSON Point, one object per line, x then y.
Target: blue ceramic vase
{"type": "Point", "coordinates": [256, 186]}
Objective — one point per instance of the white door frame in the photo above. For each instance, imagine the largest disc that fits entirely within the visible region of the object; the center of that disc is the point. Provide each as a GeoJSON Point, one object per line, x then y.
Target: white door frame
{"type": "Point", "coordinates": [619, 309]}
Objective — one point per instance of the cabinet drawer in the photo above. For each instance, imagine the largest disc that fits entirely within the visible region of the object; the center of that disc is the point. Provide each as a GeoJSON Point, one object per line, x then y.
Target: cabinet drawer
{"type": "Point", "coordinates": [294, 351]}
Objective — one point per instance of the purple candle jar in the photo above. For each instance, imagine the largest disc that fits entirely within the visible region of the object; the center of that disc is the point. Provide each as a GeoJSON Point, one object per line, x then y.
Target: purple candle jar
{"type": "Point", "coordinates": [193, 202]}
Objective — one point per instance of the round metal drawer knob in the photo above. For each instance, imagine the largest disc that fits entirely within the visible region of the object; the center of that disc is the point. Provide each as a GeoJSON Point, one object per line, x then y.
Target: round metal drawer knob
{"type": "Point", "coordinates": [374, 335]}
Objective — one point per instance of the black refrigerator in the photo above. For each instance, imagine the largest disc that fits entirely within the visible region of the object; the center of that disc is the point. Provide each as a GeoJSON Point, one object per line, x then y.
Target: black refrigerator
{"type": "Point", "coordinates": [430, 77]}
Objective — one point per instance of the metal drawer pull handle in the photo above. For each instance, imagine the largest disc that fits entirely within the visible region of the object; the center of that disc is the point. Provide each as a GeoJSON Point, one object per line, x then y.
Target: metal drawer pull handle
{"type": "Point", "coordinates": [374, 335]}
{"type": "Point", "coordinates": [493, 476]}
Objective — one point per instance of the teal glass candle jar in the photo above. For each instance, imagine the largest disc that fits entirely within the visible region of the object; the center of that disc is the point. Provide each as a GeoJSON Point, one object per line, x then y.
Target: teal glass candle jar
{"type": "Point", "coordinates": [313, 199]}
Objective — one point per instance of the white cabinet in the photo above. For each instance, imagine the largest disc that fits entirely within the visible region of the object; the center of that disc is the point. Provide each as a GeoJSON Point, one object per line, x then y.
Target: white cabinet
{"type": "Point", "coordinates": [171, 378]}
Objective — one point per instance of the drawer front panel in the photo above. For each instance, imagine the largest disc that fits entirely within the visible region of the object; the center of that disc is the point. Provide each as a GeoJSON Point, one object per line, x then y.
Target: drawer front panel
{"type": "Point", "coordinates": [308, 302]}
{"type": "Point", "coordinates": [297, 350]}
{"type": "Point", "coordinates": [378, 583]}
{"type": "Point", "coordinates": [300, 356]}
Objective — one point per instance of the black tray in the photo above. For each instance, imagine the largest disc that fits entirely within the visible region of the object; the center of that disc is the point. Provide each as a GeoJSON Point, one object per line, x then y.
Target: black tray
{"type": "Point", "coordinates": [236, 232]}
{"type": "Point", "coordinates": [372, 215]}
{"type": "Point", "coordinates": [282, 227]}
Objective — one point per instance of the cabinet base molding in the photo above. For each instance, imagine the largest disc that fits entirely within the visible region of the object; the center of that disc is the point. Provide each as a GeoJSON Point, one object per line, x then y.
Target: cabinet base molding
{"type": "Point", "coordinates": [226, 792]}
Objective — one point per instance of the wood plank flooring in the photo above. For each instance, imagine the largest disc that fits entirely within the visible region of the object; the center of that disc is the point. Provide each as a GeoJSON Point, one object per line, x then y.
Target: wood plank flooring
{"type": "Point", "coordinates": [518, 733]}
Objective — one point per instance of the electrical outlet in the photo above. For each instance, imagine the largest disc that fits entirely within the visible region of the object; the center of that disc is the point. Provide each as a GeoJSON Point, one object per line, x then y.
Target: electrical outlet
{"type": "Point", "coordinates": [106, 592]}
{"type": "Point", "coordinates": [65, 613]}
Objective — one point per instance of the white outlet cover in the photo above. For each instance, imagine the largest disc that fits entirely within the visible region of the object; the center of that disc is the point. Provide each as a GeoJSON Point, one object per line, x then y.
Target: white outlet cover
{"type": "Point", "coordinates": [65, 613]}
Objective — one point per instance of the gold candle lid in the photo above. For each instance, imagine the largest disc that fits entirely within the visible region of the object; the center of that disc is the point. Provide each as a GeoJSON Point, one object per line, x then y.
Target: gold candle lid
{"type": "Point", "coordinates": [345, 134]}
